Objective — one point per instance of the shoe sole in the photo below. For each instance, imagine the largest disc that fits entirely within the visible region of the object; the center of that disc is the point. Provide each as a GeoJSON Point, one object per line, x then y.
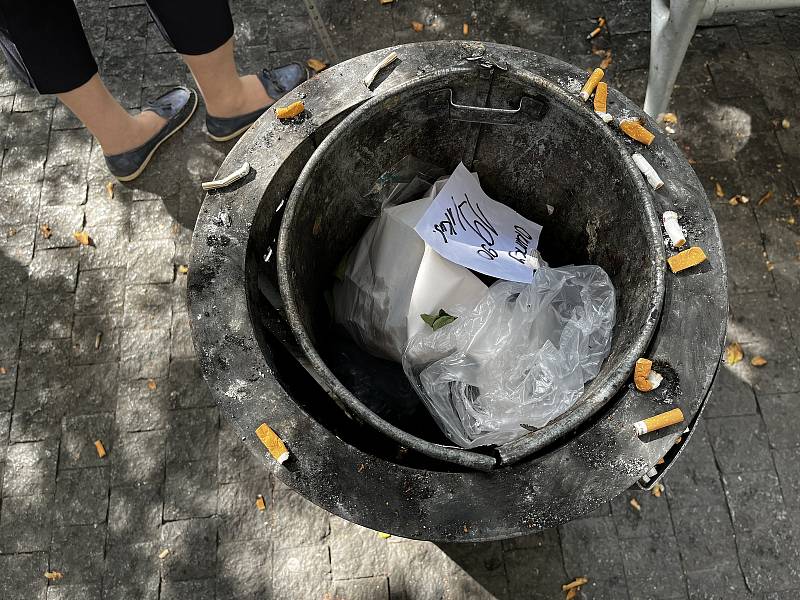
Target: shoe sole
{"type": "Point", "coordinates": [147, 159]}
{"type": "Point", "coordinates": [237, 133]}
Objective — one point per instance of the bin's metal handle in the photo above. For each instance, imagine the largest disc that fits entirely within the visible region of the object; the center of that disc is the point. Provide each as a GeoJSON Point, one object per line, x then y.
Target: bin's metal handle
{"type": "Point", "coordinates": [530, 108]}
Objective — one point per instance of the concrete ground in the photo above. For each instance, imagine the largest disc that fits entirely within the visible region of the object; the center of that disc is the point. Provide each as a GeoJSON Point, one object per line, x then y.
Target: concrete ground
{"type": "Point", "coordinates": [94, 342]}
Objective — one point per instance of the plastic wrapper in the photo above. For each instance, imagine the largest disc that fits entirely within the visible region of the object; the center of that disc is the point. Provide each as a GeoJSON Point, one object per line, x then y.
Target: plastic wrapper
{"type": "Point", "coordinates": [520, 357]}
{"type": "Point", "coordinates": [391, 277]}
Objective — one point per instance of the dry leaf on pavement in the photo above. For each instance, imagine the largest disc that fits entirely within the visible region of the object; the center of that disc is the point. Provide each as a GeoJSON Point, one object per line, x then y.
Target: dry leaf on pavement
{"type": "Point", "coordinates": [733, 353]}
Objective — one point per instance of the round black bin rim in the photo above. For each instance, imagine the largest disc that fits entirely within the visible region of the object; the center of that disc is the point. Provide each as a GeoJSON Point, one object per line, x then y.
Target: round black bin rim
{"type": "Point", "coordinates": [596, 463]}
{"type": "Point", "coordinates": [594, 397]}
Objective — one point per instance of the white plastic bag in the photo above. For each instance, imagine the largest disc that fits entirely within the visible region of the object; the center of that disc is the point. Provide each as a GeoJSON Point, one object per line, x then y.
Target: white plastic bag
{"type": "Point", "coordinates": [391, 277]}
{"type": "Point", "coordinates": [520, 356]}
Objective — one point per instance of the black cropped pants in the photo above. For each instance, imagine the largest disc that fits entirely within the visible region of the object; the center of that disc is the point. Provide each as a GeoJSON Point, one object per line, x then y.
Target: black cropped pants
{"type": "Point", "coordinates": [44, 43]}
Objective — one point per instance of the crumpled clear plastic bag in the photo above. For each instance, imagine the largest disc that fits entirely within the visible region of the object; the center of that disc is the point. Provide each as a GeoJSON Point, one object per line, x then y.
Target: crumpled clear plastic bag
{"type": "Point", "coordinates": [521, 356]}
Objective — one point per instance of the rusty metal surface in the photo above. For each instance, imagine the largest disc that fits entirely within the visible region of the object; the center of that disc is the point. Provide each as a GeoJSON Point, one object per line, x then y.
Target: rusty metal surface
{"type": "Point", "coordinates": [335, 463]}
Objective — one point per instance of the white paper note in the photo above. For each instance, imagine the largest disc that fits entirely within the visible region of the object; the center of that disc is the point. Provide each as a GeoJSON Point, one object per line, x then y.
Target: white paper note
{"type": "Point", "coordinates": [468, 228]}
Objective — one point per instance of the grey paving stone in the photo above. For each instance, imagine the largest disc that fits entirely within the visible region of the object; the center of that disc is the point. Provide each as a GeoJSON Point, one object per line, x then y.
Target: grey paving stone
{"type": "Point", "coordinates": [239, 518]}
{"type": "Point", "coordinates": [105, 211]}
{"type": "Point", "coordinates": [592, 549]}
{"type": "Point", "coordinates": [25, 523]}
{"type": "Point", "coordinates": [23, 164]}
{"type": "Point", "coordinates": [421, 570]}
{"type": "Point", "coordinates": [77, 552]}
{"type": "Point", "coordinates": [244, 570]}
{"type": "Point", "coordinates": [652, 520]}
{"type": "Point", "coordinates": [110, 248]}
{"type": "Point", "coordinates": [236, 462]}
{"type": "Point", "coordinates": [47, 316]}
{"type": "Point", "coordinates": [653, 568]}
{"type": "Point", "coordinates": [8, 382]}
{"type": "Point", "coordinates": [29, 128]}
{"type": "Point", "coordinates": [201, 589]}
{"type": "Point", "coordinates": [192, 545]}
{"type": "Point", "coordinates": [480, 570]}
{"type": "Point", "coordinates": [140, 408]}
{"type": "Point", "coordinates": [730, 396]}
{"type": "Point", "coordinates": [705, 536]}
{"type": "Point", "coordinates": [192, 435]}
{"type": "Point", "coordinates": [131, 571]}
{"type": "Point", "coordinates": [38, 413]}
{"type": "Point", "coordinates": [138, 457]}
{"type": "Point", "coordinates": [720, 583]}
{"type": "Point", "coordinates": [78, 440]}
{"type": "Point", "coordinates": [780, 411]}
{"type": "Point", "coordinates": [788, 469]}
{"type": "Point", "coordinates": [74, 592]}
{"type": "Point", "coordinates": [295, 521]}
{"type": "Point", "coordinates": [154, 220]}
{"type": "Point", "coordinates": [144, 353]}
{"type": "Point", "coordinates": [64, 185]}
{"type": "Point", "coordinates": [740, 443]}
{"type": "Point", "coordinates": [94, 388]}
{"type": "Point", "coordinates": [187, 388]}
{"type": "Point", "coordinates": [54, 271]}
{"type": "Point", "coordinates": [134, 513]}
{"type": "Point", "coordinates": [17, 243]}
{"type": "Point", "coordinates": [81, 496]}
{"type": "Point", "coordinates": [21, 576]}
{"type": "Point", "coordinates": [69, 148]}
{"type": "Point", "coordinates": [62, 221]}
{"type": "Point", "coordinates": [10, 336]}
{"type": "Point", "coordinates": [100, 292]}
{"type": "Point", "coordinates": [366, 588]}
{"type": "Point", "coordinates": [356, 551]}
{"type": "Point", "coordinates": [190, 490]}
{"type": "Point", "coordinates": [96, 339]}
{"type": "Point", "coordinates": [19, 204]}
{"type": "Point", "coordinates": [766, 538]}
{"type": "Point", "coordinates": [44, 364]}
{"type": "Point", "coordinates": [151, 261]}
{"type": "Point", "coordinates": [148, 306]}
{"type": "Point", "coordinates": [31, 468]}
{"type": "Point", "coordinates": [301, 572]}
{"type": "Point", "coordinates": [181, 336]}
{"type": "Point", "coordinates": [534, 572]}
{"type": "Point", "coordinates": [26, 100]}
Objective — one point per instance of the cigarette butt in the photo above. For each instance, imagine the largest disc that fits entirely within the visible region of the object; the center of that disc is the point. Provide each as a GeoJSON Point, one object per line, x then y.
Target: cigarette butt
{"type": "Point", "coordinates": [465, 29]}
{"type": "Point", "coordinates": [635, 504]}
{"type": "Point", "coordinates": [654, 379]}
{"type": "Point", "coordinates": [53, 575]}
{"type": "Point", "coordinates": [648, 171]}
{"type": "Point", "coordinates": [601, 97]}
{"type": "Point", "coordinates": [594, 33]}
{"type": "Point", "coordinates": [417, 26]}
{"type": "Point", "coordinates": [97, 340]}
{"type": "Point", "coordinates": [575, 583]}
{"type": "Point", "coordinates": [389, 59]}
{"type": "Point", "coordinates": [291, 111]}
{"type": "Point", "coordinates": [591, 83]}
{"type": "Point", "coordinates": [273, 443]}
{"type": "Point", "coordinates": [571, 594]}
{"type": "Point", "coordinates": [163, 554]}
{"type": "Point", "coordinates": [640, 373]}
{"type": "Point", "coordinates": [607, 118]}
{"type": "Point", "coordinates": [661, 461]}
{"type": "Point", "coordinates": [260, 504]}
{"type": "Point", "coordinates": [688, 258]}
{"type": "Point", "coordinates": [673, 229]}
{"type": "Point", "coordinates": [635, 130]}
{"type": "Point", "coordinates": [101, 451]}
{"type": "Point", "coordinates": [658, 489]}
{"type": "Point", "coordinates": [671, 417]}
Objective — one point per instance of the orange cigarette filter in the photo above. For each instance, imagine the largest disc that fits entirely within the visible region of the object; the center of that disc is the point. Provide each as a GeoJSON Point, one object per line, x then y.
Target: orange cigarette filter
{"type": "Point", "coordinates": [688, 258]}
{"type": "Point", "coordinates": [273, 443]}
{"type": "Point", "coordinates": [591, 83]}
{"type": "Point", "coordinates": [287, 112]}
{"type": "Point", "coordinates": [659, 421]}
{"type": "Point", "coordinates": [635, 130]}
{"type": "Point", "coordinates": [640, 373]}
{"type": "Point", "coordinates": [101, 451]}
{"type": "Point", "coordinates": [601, 97]}
{"type": "Point", "coordinates": [260, 504]}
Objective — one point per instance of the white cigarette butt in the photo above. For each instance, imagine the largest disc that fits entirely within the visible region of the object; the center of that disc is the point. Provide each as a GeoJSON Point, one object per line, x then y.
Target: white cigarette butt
{"type": "Point", "coordinates": [648, 171]}
{"type": "Point", "coordinates": [390, 58]}
{"type": "Point", "coordinates": [655, 379]}
{"type": "Point", "coordinates": [607, 118]}
{"type": "Point", "coordinates": [673, 228]}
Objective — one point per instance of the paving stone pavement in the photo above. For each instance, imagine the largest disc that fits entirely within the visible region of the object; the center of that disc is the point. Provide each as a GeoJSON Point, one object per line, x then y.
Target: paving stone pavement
{"type": "Point", "coordinates": [95, 345]}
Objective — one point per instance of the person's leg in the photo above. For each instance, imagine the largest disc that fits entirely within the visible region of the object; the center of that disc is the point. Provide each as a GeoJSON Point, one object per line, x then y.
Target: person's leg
{"type": "Point", "coordinates": [45, 44]}
{"type": "Point", "coordinates": [202, 32]}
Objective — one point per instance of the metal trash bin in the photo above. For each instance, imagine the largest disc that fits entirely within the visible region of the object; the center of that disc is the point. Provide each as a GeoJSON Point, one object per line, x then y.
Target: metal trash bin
{"type": "Point", "coordinates": [514, 116]}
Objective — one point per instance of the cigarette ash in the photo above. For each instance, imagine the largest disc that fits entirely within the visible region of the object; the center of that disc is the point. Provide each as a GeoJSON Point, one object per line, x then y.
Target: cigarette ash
{"type": "Point", "coordinates": [670, 389]}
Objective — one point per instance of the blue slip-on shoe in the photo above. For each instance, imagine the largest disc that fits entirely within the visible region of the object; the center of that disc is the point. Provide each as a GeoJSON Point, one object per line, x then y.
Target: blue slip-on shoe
{"type": "Point", "coordinates": [277, 82]}
{"type": "Point", "coordinates": [176, 106]}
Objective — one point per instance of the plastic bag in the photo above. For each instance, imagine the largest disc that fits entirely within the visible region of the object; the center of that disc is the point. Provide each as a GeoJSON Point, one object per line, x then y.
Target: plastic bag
{"type": "Point", "coordinates": [520, 356]}
{"type": "Point", "coordinates": [392, 276]}
{"type": "Point", "coordinates": [408, 179]}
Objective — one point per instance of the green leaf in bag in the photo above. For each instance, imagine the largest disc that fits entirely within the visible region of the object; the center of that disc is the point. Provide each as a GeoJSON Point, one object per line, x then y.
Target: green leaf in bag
{"type": "Point", "coordinates": [438, 320]}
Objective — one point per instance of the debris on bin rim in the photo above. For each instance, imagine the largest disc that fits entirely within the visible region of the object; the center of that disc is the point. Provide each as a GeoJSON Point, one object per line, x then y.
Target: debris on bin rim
{"type": "Point", "coordinates": [389, 59]}
{"type": "Point", "coordinates": [291, 111]}
{"type": "Point", "coordinates": [591, 83]}
{"type": "Point", "coordinates": [686, 259]}
{"type": "Point", "coordinates": [659, 421]}
{"type": "Point", "coordinates": [648, 171]}
{"type": "Point", "coordinates": [674, 229]}
{"type": "Point", "coordinates": [273, 443]}
{"type": "Point", "coordinates": [228, 179]}
{"type": "Point", "coordinates": [636, 131]}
